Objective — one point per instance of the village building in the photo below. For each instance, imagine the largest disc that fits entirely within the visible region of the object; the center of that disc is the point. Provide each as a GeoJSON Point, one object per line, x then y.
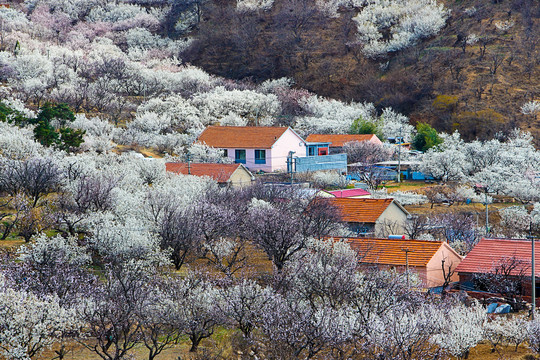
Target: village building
{"type": "Point", "coordinates": [271, 149]}
{"type": "Point", "coordinates": [337, 141]}
{"type": "Point", "coordinates": [372, 217]}
{"type": "Point", "coordinates": [423, 258]}
{"type": "Point", "coordinates": [235, 175]}
{"type": "Point", "coordinates": [509, 258]}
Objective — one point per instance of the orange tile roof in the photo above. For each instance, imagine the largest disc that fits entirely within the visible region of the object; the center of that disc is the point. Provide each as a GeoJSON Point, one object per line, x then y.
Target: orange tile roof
{"type": "Point", "coordinates": [246, 137]}
{"type": "Point", "coordinates": [361, 210]}
{"type": "Point", "coordinates": [218, 172]}
{"type": "Point", "coordinates": [338, 140]}
{"type": "Point", "coordinates": [393, 252]}
{"type": "Point", "coordinates": [489, 253]}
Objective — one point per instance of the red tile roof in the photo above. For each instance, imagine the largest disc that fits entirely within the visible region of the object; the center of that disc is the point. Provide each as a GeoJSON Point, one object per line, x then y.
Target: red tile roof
{"type": "Point", "coordinates": [489, 253]}
{"type": "Point", "coordinates": [218, 172]}
{"type": "Point", "coordinates": [393, 252]}
{"type": "Point", "coordinates": [361, 210]}
{"type": "Point", "coordinates": [338, 140]}
{"type": "Point", "coordinates": [246, 137]}
{"type": "Point", "coordinates": [349, 193]}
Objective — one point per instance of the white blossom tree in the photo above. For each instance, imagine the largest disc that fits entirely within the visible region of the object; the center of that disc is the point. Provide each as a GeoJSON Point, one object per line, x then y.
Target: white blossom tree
{"type": "Point", "coordinates": [462, 328]}
{"type": "Point", "coordinates": [30, 324]}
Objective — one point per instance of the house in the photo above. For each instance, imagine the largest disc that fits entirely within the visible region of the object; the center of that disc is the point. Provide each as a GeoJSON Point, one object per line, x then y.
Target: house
{"type": "Point", "coordinates": [269, 149]}
{"type": "Point", "coordinates": [337, 141]}
{"type": "Point", "coordinates": [263, 148]}
{"type": "Point", "coordinates": [225, 174]}
{"type": "Point", "coordinates": [422, 257]}
{"type": "Point", "coordinates": [356, 193]}
{"type": "Point", "coordinates": [511, 257]}
{"type": "Point", "coordinates": [372, 217]}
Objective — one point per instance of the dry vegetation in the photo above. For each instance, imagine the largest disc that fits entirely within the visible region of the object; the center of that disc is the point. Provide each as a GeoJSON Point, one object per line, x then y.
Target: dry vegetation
{"type": "Point", "coordinates": [477, 88]}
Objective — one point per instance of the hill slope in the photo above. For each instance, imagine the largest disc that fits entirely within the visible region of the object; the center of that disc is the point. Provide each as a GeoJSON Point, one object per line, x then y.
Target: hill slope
{"type": "Point", "coordinates": [473, 76]}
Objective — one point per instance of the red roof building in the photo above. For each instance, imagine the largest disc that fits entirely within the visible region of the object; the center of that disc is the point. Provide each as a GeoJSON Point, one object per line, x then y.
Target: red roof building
{"type": "Point", "coordinates": [248, 137]}
{"type": "Point", "coordinates": [338, 140]}
{"type": "Point", "coordinates": [224, 174]}
{"type": "Point", "coordinates": [372, 217]}
{"type": "Point", "coordinates": [423, 257]}
{"type": "Point", "coordinates": [263, 148]}
{"type": "Point", "coordinates": [489, 253]}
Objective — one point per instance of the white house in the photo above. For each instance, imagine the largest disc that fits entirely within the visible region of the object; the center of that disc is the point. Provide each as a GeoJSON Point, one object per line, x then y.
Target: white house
{"type": "Point", "coordinates": [258, 148]}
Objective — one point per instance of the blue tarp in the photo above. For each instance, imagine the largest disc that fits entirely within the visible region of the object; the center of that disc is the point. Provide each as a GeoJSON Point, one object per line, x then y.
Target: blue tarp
{"type": "Point", "coordinates": [503, 309]}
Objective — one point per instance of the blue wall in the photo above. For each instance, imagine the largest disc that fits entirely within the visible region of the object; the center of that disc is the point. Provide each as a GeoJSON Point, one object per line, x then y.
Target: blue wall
{"type": "Point", "coordinates": [324, 162]}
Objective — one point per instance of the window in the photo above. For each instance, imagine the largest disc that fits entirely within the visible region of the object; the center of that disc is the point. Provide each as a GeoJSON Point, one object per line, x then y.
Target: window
{"type": "Point", "coordinates": [311, 151]}
{"type": "Point", "coordinates": [323, 151]}
{"type": "Point", "coordinates": [240, 156]}
{"type": "Point", "coordinates": [260, 156]}
{"type": "Point", "coordinates": [225, 153]}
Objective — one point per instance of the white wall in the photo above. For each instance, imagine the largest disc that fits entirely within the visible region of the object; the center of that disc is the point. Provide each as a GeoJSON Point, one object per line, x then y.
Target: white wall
{"type": "Point", "coordinates": [289, 141]}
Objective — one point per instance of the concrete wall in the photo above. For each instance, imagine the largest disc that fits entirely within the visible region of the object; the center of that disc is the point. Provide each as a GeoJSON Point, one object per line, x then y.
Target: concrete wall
{"type": "Point", "coordinates": [325, 162]}
{"type": "Point", "coordinates": [289, 141]}
{"type": "Point", "coordinates": [434, 273]}
{"type": "Point", "coordinates": [240, 177]}
{"type": "Point", "coordinates": [250, 159]}
{"type": "Point", "coordinates": [391, 222]}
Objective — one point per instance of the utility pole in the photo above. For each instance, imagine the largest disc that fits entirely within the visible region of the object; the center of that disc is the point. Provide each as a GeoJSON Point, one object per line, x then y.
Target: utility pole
{"type": "Point", "coordinates": [400, 141]}
{"type": "Point", "coordinates": [483, 188]}
{"type": "Point", "coordinates": [533, 275]}
{"type": "Point", "coordinates": [487, 210]}
{"type": "Point", "coordinates": [290, 161]}
{"type": "Point", "coordinates": [407, 251]}
{"type": "Point", "coordinates": [188, 163]}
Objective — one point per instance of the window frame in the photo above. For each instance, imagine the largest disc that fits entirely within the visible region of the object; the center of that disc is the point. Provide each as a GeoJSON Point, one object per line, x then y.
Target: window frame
{"type": "Point", "coordinates": [237, 158]}
{"type": "Point", "coordinates": [258, 159]}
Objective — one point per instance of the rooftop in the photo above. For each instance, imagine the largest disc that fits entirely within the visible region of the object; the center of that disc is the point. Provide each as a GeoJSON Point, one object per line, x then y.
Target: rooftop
{"type": "Point", "coordinates": [489, 253]}
{"type": "Point", "coordinates": [338, 140]}
{"type": "Point", "coordinates": [361, 210]}
{"type": "Point", "coordinates": [218, 172]}
{"type": "Point", "coordinates": [247, 137]}
{"type": "Point", "coordinates": [344, 193]}
{"type": "Point", "coordinates": [394, 252]}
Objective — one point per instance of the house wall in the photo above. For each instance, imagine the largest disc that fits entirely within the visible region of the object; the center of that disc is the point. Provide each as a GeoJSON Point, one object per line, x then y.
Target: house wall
{"type": "Point", "coordinates": [250, 159]}
{"type": "Point", "coordinates": [394, 216]}
{"type": "Point", "coordinates": [374, 139]}
{"type": "Point", "coordinates": [276, 157]}
{"type": "Point", "coordinates": [434, 273]}
{"type": "Point", "coordinates": [289, 141]}
{"type": "Point", "coordinates": [240, 177]}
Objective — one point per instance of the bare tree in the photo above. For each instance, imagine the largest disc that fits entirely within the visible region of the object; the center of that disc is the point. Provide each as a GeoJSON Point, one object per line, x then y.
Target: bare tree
{"type": "Point", "coordinates": [495, 61]}
{"type": "Point", "coordinates": [178, 231]}
{"type": "Point", "coordinates": [110, 310]}
{"type": "Point", "coordinates": [366, 152]}
{"type": "Point", "coordinates": [506, 278]}
{"type": "Point", "coordinates": [416, 225]}
{"type": "Point", "coordinates": [448, 271]}
{"type": "Point", "coordinates": [35, 177]}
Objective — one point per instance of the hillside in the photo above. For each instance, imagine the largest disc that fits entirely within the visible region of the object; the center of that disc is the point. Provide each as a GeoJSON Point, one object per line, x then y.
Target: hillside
{"type": "Point", "coordinates": [474, 75]}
